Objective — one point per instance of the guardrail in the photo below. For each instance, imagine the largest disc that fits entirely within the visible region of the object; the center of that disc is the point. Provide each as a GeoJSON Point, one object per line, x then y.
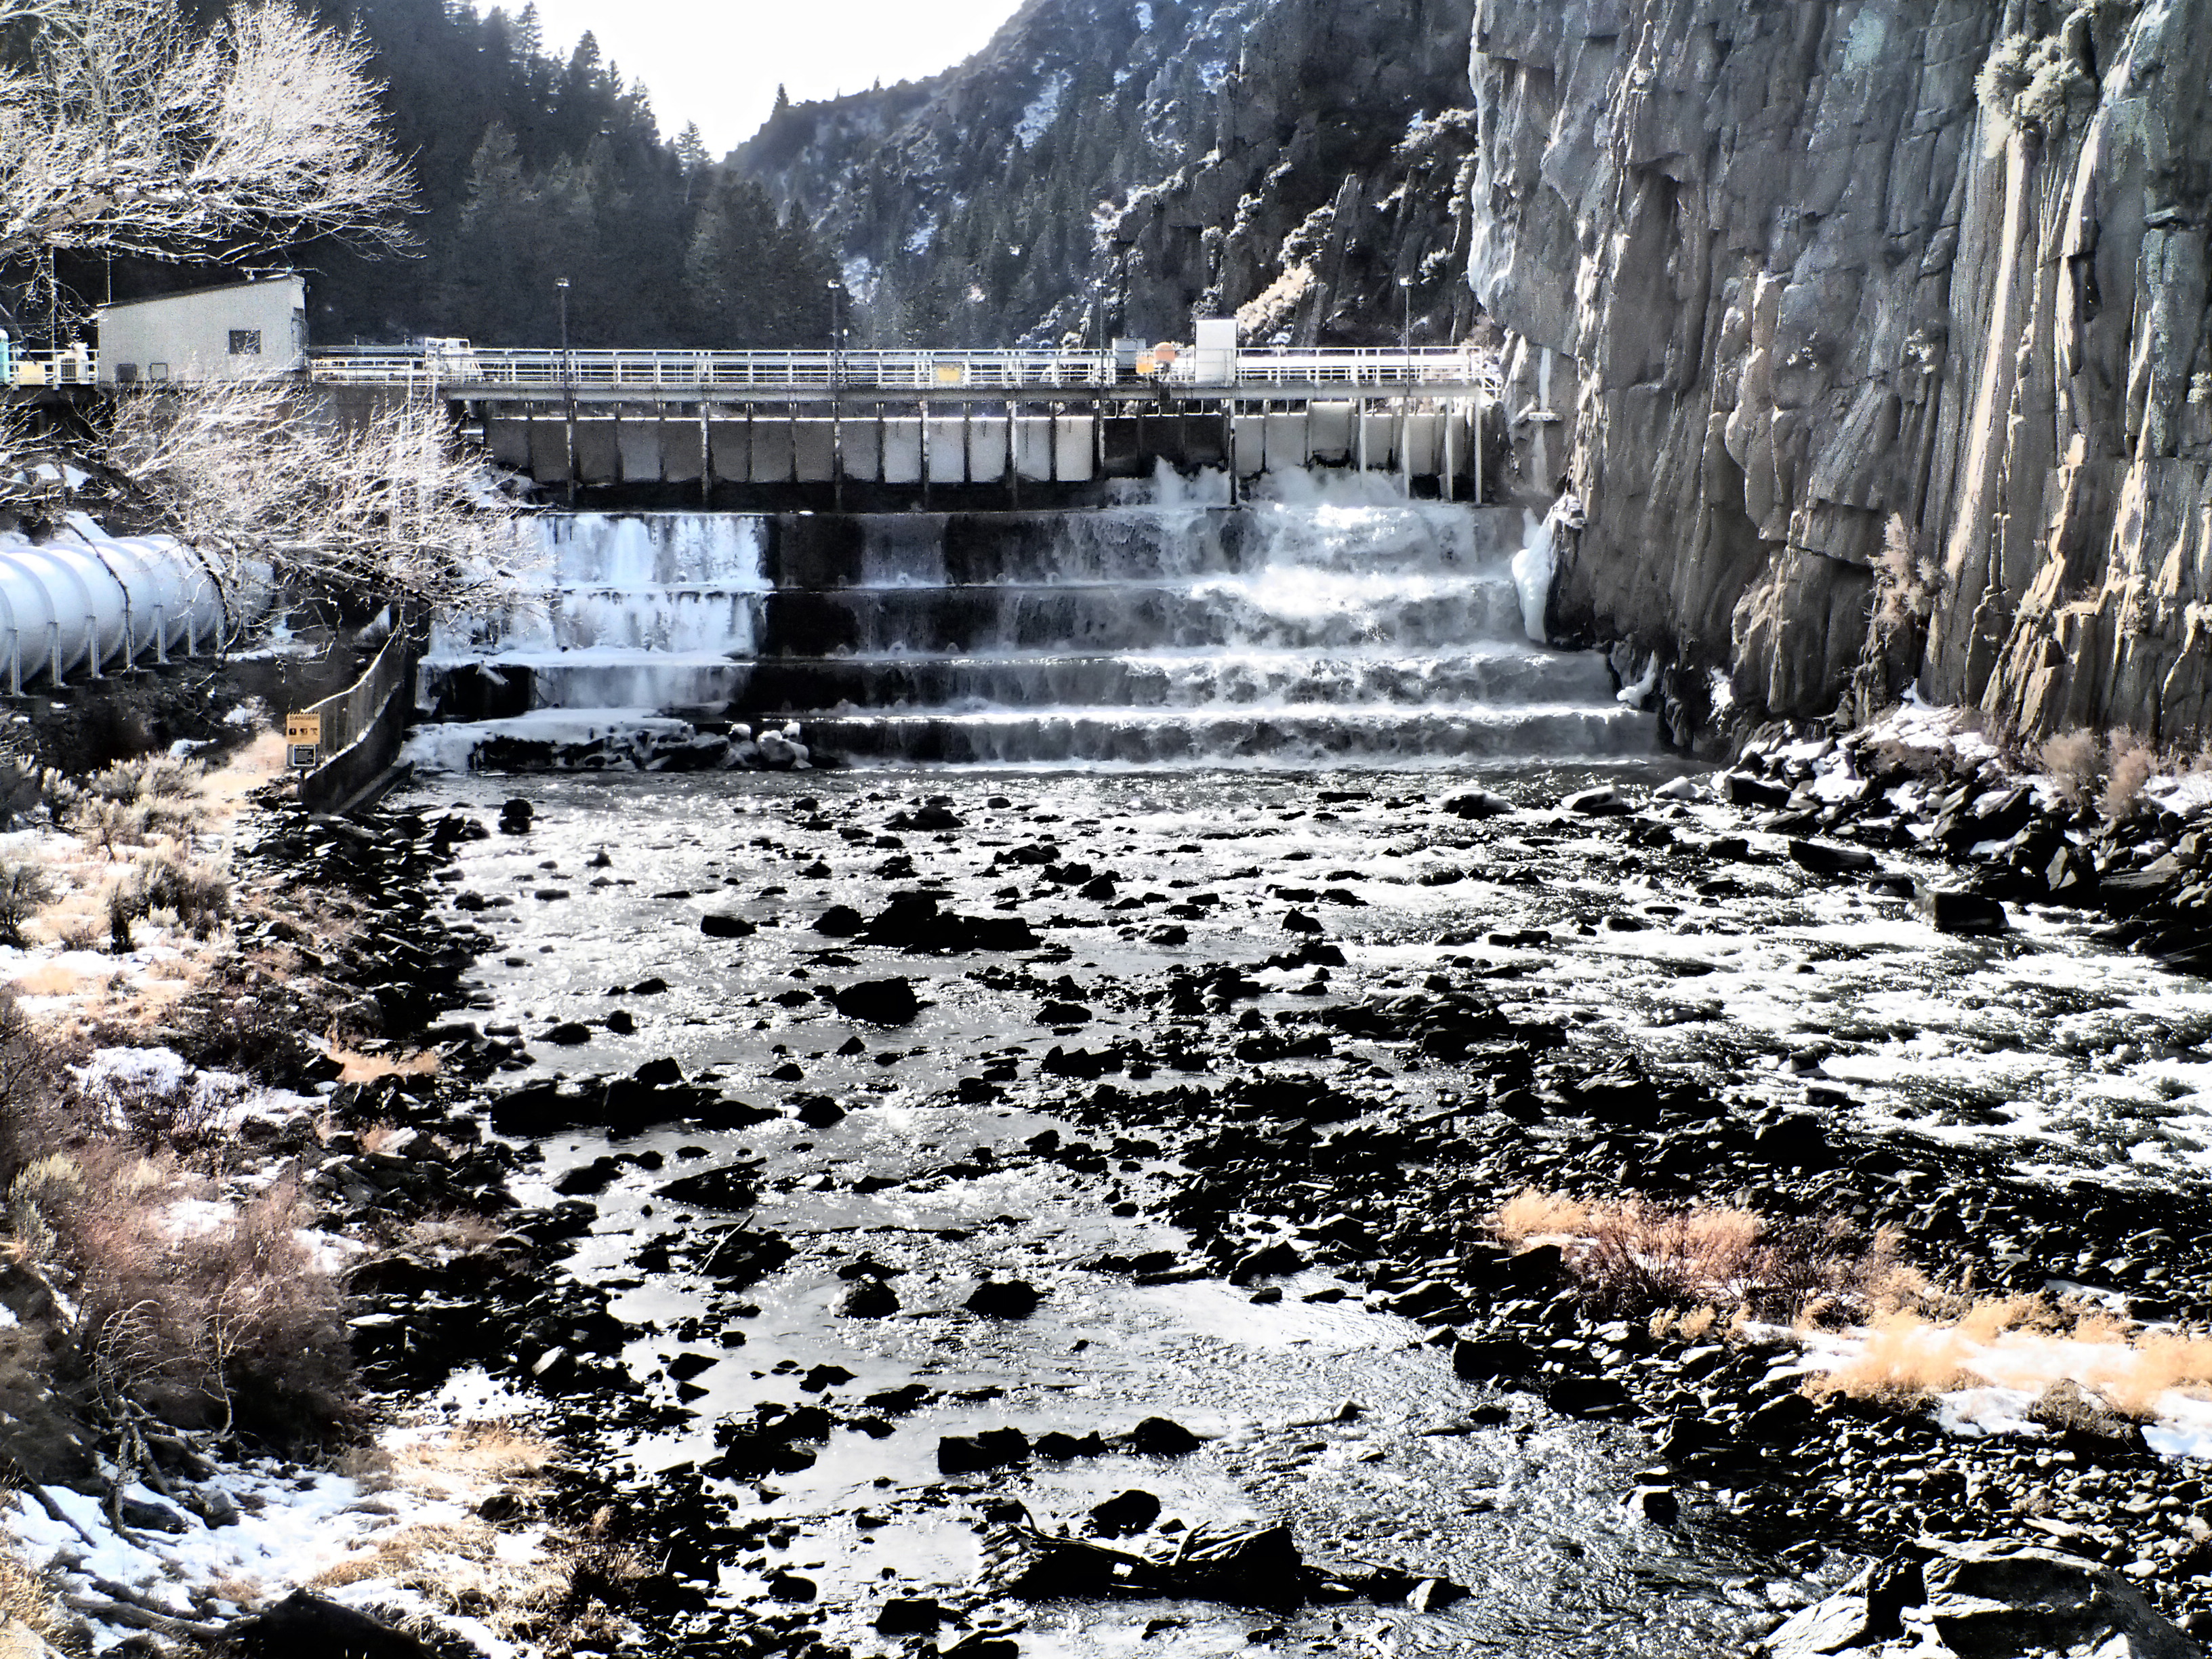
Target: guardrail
{"type": "Point", "coordinates": [486, 372]}
{"type": "Point", "coordinates": [349, 714]}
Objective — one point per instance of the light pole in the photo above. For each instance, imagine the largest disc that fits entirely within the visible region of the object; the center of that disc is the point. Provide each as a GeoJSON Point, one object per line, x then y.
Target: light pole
{"type": "Point", "coordinates": [837, 333]}
{"type": "Point", "coordinates": [567, 385]}
{"type": "Point", "coordinates": [1406, 369]}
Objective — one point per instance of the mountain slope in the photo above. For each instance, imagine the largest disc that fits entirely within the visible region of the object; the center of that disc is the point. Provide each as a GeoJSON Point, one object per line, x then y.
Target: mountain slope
{"type": "Point", "coordinates": [1124, 163]}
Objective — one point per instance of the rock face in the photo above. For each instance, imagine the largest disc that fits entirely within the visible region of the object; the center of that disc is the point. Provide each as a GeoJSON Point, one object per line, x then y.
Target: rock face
{"type": "Point", "coordinates": [1887, 305]}
{"type": "Point", "coordinates": [1134, 161]}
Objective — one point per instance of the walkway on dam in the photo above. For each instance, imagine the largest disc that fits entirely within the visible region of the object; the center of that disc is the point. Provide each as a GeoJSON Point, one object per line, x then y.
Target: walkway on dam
{"type": "Point", "coordinates": [1280, 376]}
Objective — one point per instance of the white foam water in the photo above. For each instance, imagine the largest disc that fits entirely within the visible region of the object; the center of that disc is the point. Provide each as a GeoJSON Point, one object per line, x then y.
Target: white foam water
{"type": "Point", "coordinates": [1325, 621]}
{"type": "Point", "coordinates": [623, 611]}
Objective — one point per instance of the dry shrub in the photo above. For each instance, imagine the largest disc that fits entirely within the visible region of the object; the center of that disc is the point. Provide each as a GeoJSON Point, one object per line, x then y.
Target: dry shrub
{"type": "Point", "coordinates": [23, 889]}
{"type": "Point", "coordinates": [30, 1597]}
{"type": "Point", "coordinates": [1632, 1257]}
{"type": "Point", "coordinates": [456, 1231]}
{"type": "Point", "coordinates": [1904, 1359]}
{"type": "Point", "coordinates": [197, 895]}
{"type": "Point", "coordinates": [234, 1328]}
{"type": "Point", "coordinates": [1904, 581]}
{"type": "Point", "coordinates": [1532, 1214]}
{"type": "Point", "coordinates": [2133, 762]}
{"type": "Point", "coordinates": [2076, 762]}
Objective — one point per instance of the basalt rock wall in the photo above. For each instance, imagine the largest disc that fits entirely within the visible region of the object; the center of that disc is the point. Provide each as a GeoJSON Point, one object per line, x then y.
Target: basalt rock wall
{"type": "Point", "coordinates": [1872, 336]}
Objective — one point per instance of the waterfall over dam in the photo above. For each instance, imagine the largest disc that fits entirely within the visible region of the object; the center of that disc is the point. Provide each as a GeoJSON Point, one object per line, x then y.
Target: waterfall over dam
{"type": "Point", "coordinates": [1285, 632]}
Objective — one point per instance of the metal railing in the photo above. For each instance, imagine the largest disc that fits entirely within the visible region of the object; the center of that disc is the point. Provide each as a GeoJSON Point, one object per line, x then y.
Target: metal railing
{"type": "Point", "coordinates": [486, 372]}
{"type": "Point", "coordinates": [350, 713]}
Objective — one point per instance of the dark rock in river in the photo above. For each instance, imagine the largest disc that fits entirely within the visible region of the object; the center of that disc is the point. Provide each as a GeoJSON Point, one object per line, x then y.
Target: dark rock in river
{"type": "Point", "coordinates": [727, 1188]}
{"type": "Point", "coordinates": [839, 921]}
{"type": "Point", "coordinates": [878, 1001]}
{"type": "Point", "coordinates": [970, 1454]}
{"type": "Point", "coordinates": [1131, 1513]}
{"type": "Point", "coordinates": [1951, 911]}
{"type": "Point", "coordinates": [1825, 860]}
{"type": "Point", "coordinates": [869, 1299]}
{"type": "Point", "coordinates": [1161, 1437]}
{"type": "Point", "coordinates": [725, 926]}
{"type": "Point", "coordinates": [916, 1615]}
{"type": "Point", "coordinates": [1477, 803]}
{"type": "Point", "coordinates": [1004, 1299]}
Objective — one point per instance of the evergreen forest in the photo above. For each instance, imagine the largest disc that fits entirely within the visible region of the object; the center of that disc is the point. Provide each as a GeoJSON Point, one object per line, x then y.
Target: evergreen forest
{"type": "Point", "coordinates": [529, 167]}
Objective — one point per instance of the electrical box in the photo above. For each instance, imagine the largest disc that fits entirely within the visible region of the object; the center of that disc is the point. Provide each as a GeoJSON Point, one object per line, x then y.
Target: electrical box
{"type": "Point", "coordinates": [1215, 348]}
{"type": "Point", "coordinates": [303, 742]}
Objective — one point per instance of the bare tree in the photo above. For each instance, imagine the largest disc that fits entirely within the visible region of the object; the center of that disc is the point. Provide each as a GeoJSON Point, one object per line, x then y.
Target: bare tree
{"type": "Point", "coordinates": [122, 132]}
{"type": "Point", "coordinates": [262, 480]}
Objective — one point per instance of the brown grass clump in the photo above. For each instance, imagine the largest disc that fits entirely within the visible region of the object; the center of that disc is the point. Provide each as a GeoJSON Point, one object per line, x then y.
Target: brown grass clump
{"type": "Point", "coordinates": [1905, 1359]}
{"type": "Point", "coordinates": [232, 1327]}
{"type": "Point", "coordinates": [2132, 764]}
{"type": "Point", "coordinates": [457, 1566]}
{"type": "Point", "coordinates": [2076, 762]}
{"type": "Point", "coordinates": [1631, 1257]}
{"type": "Point", "coordinates": [367, 1068]}
{"type": "Point", "coordinates": [1531, 1212]}
{"type": "Point", "coordinates": [30, 1598]}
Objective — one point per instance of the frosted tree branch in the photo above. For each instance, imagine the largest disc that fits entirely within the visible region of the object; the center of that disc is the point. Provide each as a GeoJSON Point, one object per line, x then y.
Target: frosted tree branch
{"type": "Point", "coordinates": [251, 473]}
{"type": "Point", "coordinates": [119, 132]}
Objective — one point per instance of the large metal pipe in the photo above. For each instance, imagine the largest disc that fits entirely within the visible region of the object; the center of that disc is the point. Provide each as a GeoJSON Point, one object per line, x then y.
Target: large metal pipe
{"type": "Point", "coordinates": [83, 599]}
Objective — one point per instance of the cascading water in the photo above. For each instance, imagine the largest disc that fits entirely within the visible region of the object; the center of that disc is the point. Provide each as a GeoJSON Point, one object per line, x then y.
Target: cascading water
{"type": "Point", "coordinates": [1317, 630]}
{"type": "Point", "coordinates": [656, 612]}
{"type": "Point", "coordinates": [1335, 627]}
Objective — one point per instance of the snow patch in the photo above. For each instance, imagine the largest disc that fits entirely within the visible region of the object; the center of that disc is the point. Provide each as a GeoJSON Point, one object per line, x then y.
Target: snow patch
{"type": "Point", "coordinates": [1533, 566]}
{"type": "Point", "coordinates": [1043, 111]}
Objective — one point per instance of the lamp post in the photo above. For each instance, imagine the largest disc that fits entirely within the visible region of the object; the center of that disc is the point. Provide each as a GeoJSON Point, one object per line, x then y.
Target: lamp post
{"type": "Point", "coordinates": [837, 400]}
{"type": "Point", "coordinates": [1406, 369]}
{"type": "Point", "coordinates": [567, 386]}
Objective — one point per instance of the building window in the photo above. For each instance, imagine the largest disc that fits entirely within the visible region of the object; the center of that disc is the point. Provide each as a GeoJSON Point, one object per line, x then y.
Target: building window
{"type": "Point", "coordinates": [157, 371]}
{"type": "Point", "coordinates": [127, 374]}
{"type": "Point", "coordinates": [246, 342]}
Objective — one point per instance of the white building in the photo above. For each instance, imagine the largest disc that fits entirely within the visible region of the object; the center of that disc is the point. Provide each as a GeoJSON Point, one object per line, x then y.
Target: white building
{"type": "Point", "coordinates": [233, 332]}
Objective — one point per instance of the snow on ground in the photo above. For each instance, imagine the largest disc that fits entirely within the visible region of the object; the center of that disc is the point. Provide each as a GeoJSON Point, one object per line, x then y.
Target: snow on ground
{"type": "Point", "coordinates": [366, 1541]}
{"type": "Point", "coordinates": [2000, 1376]}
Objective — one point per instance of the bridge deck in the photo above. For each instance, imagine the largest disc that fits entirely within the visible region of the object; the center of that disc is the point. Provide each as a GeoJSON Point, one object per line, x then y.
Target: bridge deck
{"type": "Point", "coordinates": [1273, 374]}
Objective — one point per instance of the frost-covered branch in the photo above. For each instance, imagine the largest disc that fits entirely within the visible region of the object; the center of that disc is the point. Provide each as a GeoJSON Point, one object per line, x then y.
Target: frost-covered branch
{"type": "Point", "coordinates": [251, 473]}
{"type": "Point", "coordinates": [120, 132]}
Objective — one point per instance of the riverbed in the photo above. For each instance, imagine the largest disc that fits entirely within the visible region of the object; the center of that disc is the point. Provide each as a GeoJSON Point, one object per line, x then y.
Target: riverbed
{"type": "Point", "coordinates": [931, 1156]}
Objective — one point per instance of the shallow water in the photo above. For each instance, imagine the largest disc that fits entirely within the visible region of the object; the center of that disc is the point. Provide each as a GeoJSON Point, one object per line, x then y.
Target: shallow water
{"type": "Point", "coordinates": [2085, 1062]}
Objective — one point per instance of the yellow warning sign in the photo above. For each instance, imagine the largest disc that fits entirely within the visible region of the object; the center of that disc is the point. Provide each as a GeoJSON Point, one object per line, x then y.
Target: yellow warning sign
{"type": "Point", "coordinates": [303, 728]}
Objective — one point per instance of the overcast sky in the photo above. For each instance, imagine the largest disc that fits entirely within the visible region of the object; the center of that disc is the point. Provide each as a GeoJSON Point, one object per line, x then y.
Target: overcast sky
{"type": "Point", "coordinates": [718, 61]}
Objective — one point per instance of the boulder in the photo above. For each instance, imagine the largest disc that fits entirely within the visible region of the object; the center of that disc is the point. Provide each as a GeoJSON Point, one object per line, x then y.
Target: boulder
{"type": "Point", "coordinates": [1004, 1299]}
{"type": "Point", "coordinates": [878, 1001]}
{"type": "Point", "coordinates": [1991, 1598]}
{"type": "Point", "coordinates": [1949, 910]}
{"type": "Point", "coordinates": [304, 1623]}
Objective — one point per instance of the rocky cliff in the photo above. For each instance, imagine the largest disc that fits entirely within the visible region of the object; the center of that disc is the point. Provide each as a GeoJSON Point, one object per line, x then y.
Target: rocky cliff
{"type": "Point", "coordinates": [1128, 163]}
{"type": "Point", "coordinates": [1872, 336]}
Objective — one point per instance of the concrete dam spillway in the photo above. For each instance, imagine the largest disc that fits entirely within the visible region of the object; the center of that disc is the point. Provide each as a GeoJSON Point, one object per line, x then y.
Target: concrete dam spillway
{"type": "Point", "coordinates": [1280, 633]}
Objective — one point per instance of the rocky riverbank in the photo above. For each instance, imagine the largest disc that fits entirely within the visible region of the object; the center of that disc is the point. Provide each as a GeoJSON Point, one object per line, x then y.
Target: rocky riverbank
{"type": "Point", "coordinates": [1254, 1208]}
